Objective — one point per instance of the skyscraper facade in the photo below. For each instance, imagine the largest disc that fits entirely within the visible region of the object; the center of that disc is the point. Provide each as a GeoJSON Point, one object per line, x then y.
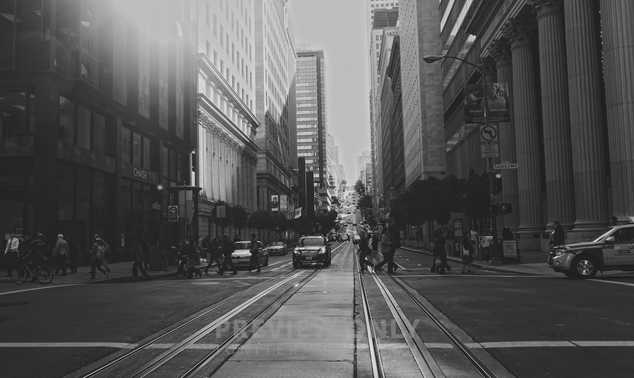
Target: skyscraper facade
{"type": "Point", "coordinates": [226, 158]}
{"type": "Point", "coordinates": [275, 60]}
{"type": "Point", "coordinates": [97, 107]}
{"type": "Point", "coordinates": [312, 127]}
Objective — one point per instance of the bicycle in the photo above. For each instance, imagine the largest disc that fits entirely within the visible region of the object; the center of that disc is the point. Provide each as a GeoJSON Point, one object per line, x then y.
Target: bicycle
{"type": "Point", "coordinates": [25, 269]}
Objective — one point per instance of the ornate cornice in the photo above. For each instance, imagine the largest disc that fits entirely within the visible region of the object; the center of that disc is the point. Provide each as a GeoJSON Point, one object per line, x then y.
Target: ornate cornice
{"type": "Point", "coordinates": [546, 7]}
{"type": "Point", "coordinates": [520, 31]}
{"type": "Point", "coordinates": [500, 50]}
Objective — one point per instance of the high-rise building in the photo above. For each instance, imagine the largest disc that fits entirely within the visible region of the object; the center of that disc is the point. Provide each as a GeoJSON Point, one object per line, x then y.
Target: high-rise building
{"type": "Point", "coordinates": [226, 157]}
{"type": "Point", "coordinates": [419, 23]}
{"type": "Point", "coordinates": [275, 102]}
{"type": "Point", "coordinates": [312, 126]}
{"type": "Point", "coordinates": [97, 105]}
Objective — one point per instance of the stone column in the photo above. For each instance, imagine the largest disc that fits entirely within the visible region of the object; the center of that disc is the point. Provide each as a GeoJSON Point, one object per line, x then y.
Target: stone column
{"type": "Point", "coordinates": [500, 50]}
{"type": "Point", "coordinates": [587, 115]}
{"type": "Point", "coordinates": [555, 111]}
{"type": "Point", "coordinates": [521, 35]}
{"type": "Point", "coordinates": [618, 49]}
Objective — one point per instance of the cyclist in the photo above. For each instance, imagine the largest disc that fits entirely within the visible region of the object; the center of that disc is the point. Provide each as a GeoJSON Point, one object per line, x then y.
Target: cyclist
{"type": "Point", "coordinates": [34, 253]}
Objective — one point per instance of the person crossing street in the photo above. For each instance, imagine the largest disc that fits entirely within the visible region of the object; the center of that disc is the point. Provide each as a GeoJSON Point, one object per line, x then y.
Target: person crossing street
{"type": "Point", "coordinates": [227, 250]}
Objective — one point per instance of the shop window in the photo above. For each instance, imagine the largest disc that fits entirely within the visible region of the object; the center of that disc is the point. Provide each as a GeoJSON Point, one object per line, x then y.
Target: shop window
{"type": "Point", "coordinates": [126, 141]}
{"type": "Point", "coordinates": [82, 201]}
{"type": "Point", "coordinates": [66, 120]}
{"type": "Point", "coordinates": [126, 203]}
{"type": "Point", "coordinates": [98, 133]}
{"type": "Point", "coordinates": [146, 153]}
{"type": "Point", "coordinates": [83, 127]}
{"type": "Point", "coordinates": [16, 190]}
{"type": "Point", "coordinates": [136, 149]}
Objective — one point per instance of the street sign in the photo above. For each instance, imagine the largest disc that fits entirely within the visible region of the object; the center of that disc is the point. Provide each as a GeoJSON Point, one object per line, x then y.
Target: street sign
{"type": "Point", "coordinates": [488, 133]}
{"type": "Point", "coordinates": [489, 150]}
{"type": "Point", "coordinates": [505, 166]}
{"type": "Point", "coordinates": [156, 206]}
{"type": "Point", "coordinates": [172, 214]}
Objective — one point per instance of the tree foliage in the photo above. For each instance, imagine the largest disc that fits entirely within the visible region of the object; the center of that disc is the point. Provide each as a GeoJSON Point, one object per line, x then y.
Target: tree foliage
{"type": "Point", "coordinates": [365, 205]}
{"type": "Point", "coordinates": [261, 220]}
{"type": "Point", "coordinates": [477, 195]}
{"type": "Point", "coordinates": [239, 217]}
{"type": "Point", "coordinates": [359, 188]}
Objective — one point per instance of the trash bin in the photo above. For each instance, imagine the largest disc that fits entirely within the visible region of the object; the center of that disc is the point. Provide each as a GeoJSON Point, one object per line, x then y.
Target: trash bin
{"type": "Point", "coordinates": [158, 259]}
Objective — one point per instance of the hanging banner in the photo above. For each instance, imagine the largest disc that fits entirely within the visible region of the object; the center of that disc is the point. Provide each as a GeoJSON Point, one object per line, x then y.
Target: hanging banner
{"type": "Point", "coordinates": [275, 202]}
{"type": "Point", "coordinates": [298, 212]}
{"type": "Point", "coordinates": [473, 104]}
{"type": "Point", "coordinates": [283, 202]}
{"type": "Point", "coordinates": [497, 98]}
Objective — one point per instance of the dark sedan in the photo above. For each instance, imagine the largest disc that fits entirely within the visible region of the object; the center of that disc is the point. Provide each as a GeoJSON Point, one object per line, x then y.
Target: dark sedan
{"type": "Point", "coordinates": [312, 249]}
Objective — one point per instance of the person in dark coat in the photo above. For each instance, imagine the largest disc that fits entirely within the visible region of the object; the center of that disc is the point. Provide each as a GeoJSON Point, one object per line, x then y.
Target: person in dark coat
{"type": "Point", "coordinates": [364, 250]}
{"type": "Point", "coordinates": [439, 252]}
{"type": "Point", "coordinates": [559, 236]}
{"type": "Point", "coordinates": [139, 259]}
{"type": "Point", "coordinates": [213, 250]}
{"type": "Point", "coordinates": [227, 250]}
{"type": "Point", "coordinates": [182, 259]}
{"type": "Point", "coordinates": [254, 262]}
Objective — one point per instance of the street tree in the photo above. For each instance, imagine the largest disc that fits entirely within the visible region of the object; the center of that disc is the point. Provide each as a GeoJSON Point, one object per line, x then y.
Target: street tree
{"type": "Point", "coordinates": [219, 220]}
{"type": "Point", "coordinates": [261, 220]}
{"type": "Point", "coordinates": [239, 217]}
{"type": "Point", "coordinates": [365, 205]}
{"type": "Point", "coordinates": [359, 188]}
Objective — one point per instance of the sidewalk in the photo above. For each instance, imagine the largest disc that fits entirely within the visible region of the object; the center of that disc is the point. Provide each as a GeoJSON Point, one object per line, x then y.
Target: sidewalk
{"type": "Point", "coordinates": [532, 262]}
{"type": "Point", "coordinates": [119, 272]}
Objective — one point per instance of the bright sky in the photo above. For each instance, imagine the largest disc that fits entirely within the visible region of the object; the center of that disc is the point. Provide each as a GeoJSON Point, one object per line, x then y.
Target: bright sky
{"type": "Point", "coordinates": [339, 28]}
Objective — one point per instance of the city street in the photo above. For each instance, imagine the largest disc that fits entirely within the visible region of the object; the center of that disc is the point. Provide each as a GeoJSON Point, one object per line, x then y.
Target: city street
{"type": "Point", "coordinates": [533, 325]}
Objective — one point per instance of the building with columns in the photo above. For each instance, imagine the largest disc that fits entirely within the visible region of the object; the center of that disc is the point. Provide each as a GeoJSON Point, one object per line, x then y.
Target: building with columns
{"type": "Point", "coordinates": [226, 154]}
{"type": "Point", "coordinates": [275, 62]}
{"type": "Point", "coordinates": [569, 67]}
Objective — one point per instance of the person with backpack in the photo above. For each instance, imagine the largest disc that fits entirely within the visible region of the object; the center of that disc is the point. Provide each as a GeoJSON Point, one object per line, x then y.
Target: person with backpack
{"type": "Point", "coordinates": [98, 257]}
{"type": "Point", "coordinates": [364, 251]}
{"type": "Point", "coordinates": [227, 249]}
{"type": "Point", "coordinates": [255, 252]}
{"type": "Point", "coordinates": [214, 253]}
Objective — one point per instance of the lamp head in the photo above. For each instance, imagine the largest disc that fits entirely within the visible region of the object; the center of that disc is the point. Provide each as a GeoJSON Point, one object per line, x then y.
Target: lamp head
{"type": "Point", "coordinates": [432, 58]}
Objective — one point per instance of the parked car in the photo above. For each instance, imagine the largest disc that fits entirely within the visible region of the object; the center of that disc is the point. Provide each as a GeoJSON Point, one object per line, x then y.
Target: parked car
{"type": "Point", "coordinates": [277, 248]}
{"type": "Point", "coordinates": [312, 249]}
{"type": "Point", "coordinates": [612, 249]}
{"type": "Point", "coordinates": [242, 255]}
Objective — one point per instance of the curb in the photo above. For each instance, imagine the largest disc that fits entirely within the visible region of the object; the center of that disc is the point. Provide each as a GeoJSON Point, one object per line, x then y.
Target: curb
{"type": "Point", "coordinates": [474, 263]}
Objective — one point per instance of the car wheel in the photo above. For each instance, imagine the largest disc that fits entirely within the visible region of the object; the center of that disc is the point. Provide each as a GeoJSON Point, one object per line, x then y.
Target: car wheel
{"type": "Point", "coordinates": [584, 267]}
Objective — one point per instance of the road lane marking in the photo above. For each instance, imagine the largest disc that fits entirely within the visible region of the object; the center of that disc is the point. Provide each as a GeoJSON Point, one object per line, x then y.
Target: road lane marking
{"type": "Point", "coordinates": [614, 282]}
{"type": "Point", "coordinates": [36, 288]}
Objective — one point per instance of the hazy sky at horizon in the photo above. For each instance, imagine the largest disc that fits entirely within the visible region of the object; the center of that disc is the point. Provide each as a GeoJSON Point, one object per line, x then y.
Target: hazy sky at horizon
{"type": "Point", "coordinates": [339, 28]}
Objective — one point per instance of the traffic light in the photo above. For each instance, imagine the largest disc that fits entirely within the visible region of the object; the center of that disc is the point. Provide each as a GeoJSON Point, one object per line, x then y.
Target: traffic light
{"type": "Point", "coordinates": [495, 183]}
{"type": "Point", "coordinates": [159, 195]}
{"type": "Point", "coordinates": [501, 208]}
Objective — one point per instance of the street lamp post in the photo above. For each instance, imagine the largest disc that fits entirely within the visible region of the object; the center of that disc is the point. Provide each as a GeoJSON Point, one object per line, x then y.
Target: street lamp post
{"type": "Point", "coordinates": [496, 259]}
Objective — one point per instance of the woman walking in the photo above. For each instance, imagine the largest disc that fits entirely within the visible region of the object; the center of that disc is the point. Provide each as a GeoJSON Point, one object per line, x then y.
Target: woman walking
{"type": "Point", "coordinates": [61, 253]}
{"type": "Point", "coordinates": [467, 255]}
{"type": "Point", "coordinates": [139, 259]}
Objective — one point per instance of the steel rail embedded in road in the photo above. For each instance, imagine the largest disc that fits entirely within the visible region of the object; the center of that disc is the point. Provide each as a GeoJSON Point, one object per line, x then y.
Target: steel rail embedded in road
{"type": "Point", "coordinates": [477, 364]}
{"type": "Point", "coordinates": [375, 356]}
{"type": "Point", "coordinates": [155, 340]}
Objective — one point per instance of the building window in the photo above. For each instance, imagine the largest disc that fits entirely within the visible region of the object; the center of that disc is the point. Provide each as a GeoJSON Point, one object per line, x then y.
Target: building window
{"type": "Point", "coordinates": [120, 61]}
{"type": "Point", "coordinates": [66, 120]}
{"type": "Point", "coordinates": [126, 145]}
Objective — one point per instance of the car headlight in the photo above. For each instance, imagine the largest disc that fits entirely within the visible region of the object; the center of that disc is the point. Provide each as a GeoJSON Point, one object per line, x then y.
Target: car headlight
{"type": "Point", "coordinates": [297, 252]}
{"type": "Point", "coordinates": [321, 251]}
{"type": "Point", "coordinates": [560, 251]}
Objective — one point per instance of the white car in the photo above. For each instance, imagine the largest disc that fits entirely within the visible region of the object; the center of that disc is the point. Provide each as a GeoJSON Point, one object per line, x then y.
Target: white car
{"type": "Point", "coordinates": [242, 255]}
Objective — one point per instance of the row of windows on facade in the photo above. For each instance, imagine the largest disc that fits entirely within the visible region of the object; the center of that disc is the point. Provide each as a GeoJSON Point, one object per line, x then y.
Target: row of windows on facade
{"type": "Point", "coordinates": [224, 104]}
{"type": "Point", "coordinates": [244, 69]}
{"type": "Point", "coordinates": [235, 26]}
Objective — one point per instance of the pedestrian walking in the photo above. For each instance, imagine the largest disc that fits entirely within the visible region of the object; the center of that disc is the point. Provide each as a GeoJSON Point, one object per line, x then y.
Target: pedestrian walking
{"type": "Point", "coordinates": [387, 251]}
{"type": "Point", "coordinates": [145, 247]}
{"type": "Point", "coordinates": [255, 254]}
{"type": "Point", "coordinates": [467, 255]}
{"type": "Point", "coordinates": [193, 255]}
{"type": "Point", "coordinates": [73, 251]}
{"type": "Point", "coordinates": [227, 250]}
{"type": "Point", "coordinates": [363, 251]}
{"type": "Point", "coordinates": [60, 254]}
{"type": "Point", "coordinates": [375, 254]}
{"type": "Point", "coordinates": [138, 257]}
{"type": "Point", "coordinates": [98, 259]}
{"type": "Point", "coordinates": [213, 251]}
{"type": "Point", "coordinates": [558, 236]}
{"type": "Point", "coordinates": [440, 253]}
{"type": "Point", "coordinates": [204, 248]}
{"type": "Point", "coordinates": [182, 258]}
{"type": "Point", "coordinates": [11, 252]}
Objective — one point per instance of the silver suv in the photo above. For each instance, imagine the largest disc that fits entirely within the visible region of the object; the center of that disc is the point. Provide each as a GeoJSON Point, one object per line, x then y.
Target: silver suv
{"type": "Point", "coordinates": [613, 249]}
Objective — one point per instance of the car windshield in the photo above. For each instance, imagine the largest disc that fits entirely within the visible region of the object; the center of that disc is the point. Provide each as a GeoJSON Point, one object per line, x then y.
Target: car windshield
{"type": "Point", "coordinates": [242, 245]}
{"type": "Point", "coordinates": [273, 244]}
{"type": "Point", "coordinates": [598, 237]}
{"type": "Point", "coordinates": [312, 242]}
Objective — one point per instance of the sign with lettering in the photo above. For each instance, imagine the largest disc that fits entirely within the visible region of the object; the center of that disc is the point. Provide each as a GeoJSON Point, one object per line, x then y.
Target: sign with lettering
{"type": "Point", "coordinates": [139, 173]}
